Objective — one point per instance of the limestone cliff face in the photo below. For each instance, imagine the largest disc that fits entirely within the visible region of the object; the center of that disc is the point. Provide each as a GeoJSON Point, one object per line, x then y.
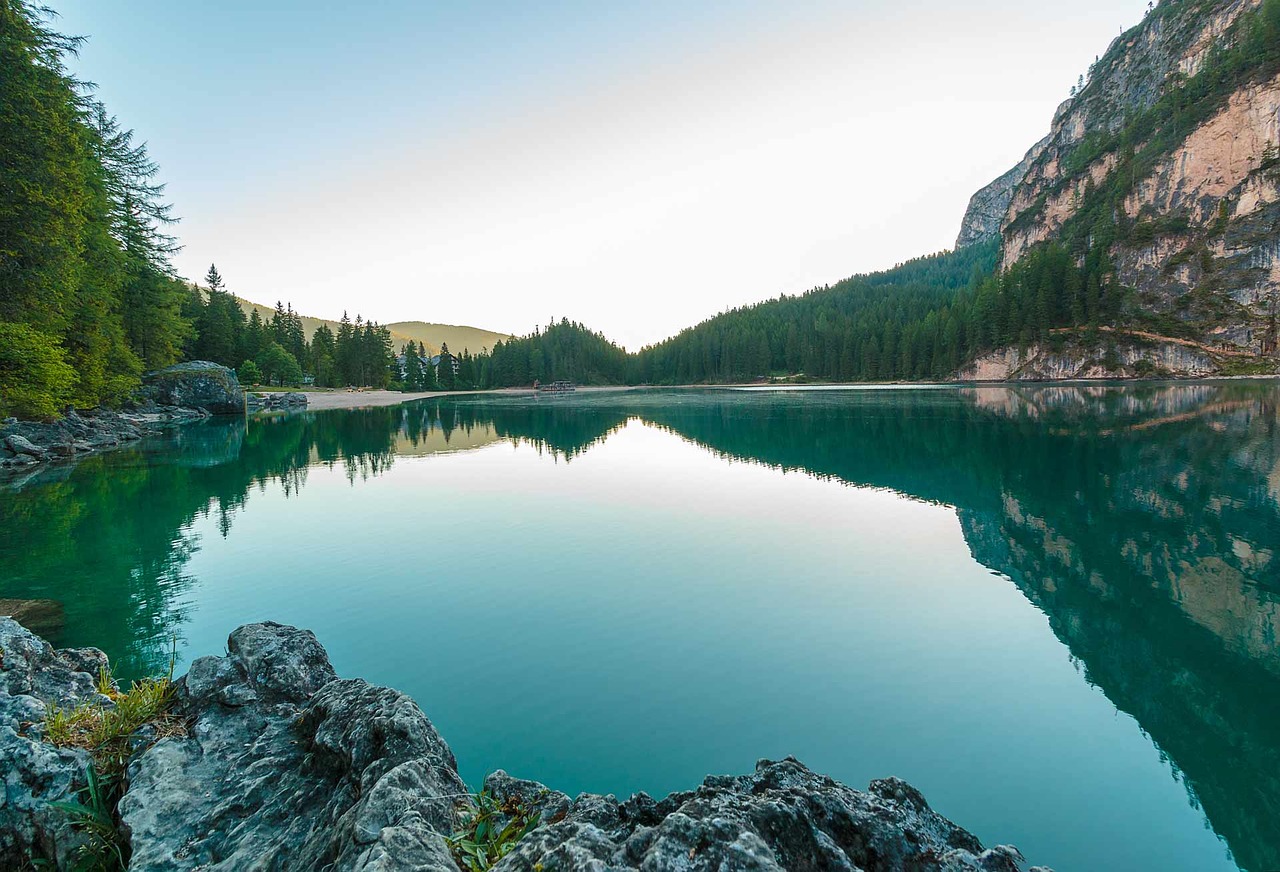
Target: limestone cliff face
{"type": "Point", "coordinates": [1196, 211]}
{"type": "Point", "coordinates": [987, 208]}
{"type": "Point", "coordinates": [1120, 359]}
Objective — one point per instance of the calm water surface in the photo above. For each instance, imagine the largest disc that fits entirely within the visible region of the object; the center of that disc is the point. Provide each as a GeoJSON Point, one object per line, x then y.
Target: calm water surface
{"type": "Point", "coordinates": [1053, 610]}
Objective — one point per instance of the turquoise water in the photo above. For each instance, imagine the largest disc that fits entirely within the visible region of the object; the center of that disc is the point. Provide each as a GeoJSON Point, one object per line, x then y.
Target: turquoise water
{"type": "Point", "coordinates": [1052, 610]}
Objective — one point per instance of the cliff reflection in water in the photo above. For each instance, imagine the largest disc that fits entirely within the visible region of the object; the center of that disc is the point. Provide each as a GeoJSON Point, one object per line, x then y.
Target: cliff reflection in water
{"type": "Point", "coordinates": [1143, 521]}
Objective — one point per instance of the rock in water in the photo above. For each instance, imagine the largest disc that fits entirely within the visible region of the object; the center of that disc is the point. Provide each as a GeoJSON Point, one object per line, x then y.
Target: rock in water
{"type": "Point", "coordinates": [198, 384]}
{"type": "Point", "coordinates": [288, 767]}
{"type": "Point", "coordinates": [43, 616]}
{"type": "Point", "coordinates": [33, 677]}
{"type": "Point", "coordinates": [22, 445]}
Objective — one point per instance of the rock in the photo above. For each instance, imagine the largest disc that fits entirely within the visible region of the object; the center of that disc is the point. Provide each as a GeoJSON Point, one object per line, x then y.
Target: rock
{"type": "Point", "coordinates": [288, 766]}
{"type": "Point", "coordinates": [29, 442]}
{"type": "Point", "coordinates": [985, 214]}
{"type": "Point", "coordinates": [42, 616]}
{"type": "Point", "coordinates": [290, 400]}
{"type": "Point", "coordinates": [33, 676]}
{"type": "Point", "coordinates": [783, 816]}
{"type": "Point", "coordinates": [1119, 357]}
{"type": "Point", "coordinates": [22, 445]}
{"type": "Point", "coordinates": [195, 384]}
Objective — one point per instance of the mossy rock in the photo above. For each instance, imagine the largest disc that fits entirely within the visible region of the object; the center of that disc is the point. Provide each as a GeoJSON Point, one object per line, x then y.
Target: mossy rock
{"type": "Point", "coordinates": [199, 384]}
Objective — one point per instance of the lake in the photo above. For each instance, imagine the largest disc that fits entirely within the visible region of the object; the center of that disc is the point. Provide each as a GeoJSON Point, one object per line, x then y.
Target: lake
{"type": "Point", "coordinates": [1052, 609]}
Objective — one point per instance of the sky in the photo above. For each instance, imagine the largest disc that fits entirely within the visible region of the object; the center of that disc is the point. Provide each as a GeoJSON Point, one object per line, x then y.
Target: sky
{"type": "Point", "coordinates": [637, 167]}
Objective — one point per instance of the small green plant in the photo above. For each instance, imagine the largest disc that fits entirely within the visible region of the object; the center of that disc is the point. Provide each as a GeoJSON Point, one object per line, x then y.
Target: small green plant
{"type": "Point", "coordinates": [490, 830]}
{"type": "Point", "coordinates": [104, 850]}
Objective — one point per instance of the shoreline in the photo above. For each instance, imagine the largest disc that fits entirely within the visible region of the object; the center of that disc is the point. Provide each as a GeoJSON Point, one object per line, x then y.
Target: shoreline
{"type": "Point", "coordinates": [323, 401]}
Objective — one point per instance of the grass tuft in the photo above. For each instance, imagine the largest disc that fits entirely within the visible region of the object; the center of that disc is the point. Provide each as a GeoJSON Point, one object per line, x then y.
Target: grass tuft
{"type": "Point", "coordinates": [105, 731]}
{"type": "Point", "coordinates": [490, 830]}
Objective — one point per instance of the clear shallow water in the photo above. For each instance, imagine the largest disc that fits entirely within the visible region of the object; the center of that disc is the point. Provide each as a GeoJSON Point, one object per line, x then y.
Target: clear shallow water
{"type": "Point", "coordinates": [1053, 610]}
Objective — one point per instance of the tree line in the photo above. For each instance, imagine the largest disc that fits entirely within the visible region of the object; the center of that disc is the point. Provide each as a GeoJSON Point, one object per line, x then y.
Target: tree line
{"type": "Point", "coordinates": [276, 350]}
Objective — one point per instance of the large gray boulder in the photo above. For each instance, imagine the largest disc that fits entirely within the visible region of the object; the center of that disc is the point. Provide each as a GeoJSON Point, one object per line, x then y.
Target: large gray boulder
{"type": "Point", "coordinates": [198, 384]}
{"type": "Point", "coordinates": [33, 677]}
{"type": "Point", "coordinates": [288, 767]}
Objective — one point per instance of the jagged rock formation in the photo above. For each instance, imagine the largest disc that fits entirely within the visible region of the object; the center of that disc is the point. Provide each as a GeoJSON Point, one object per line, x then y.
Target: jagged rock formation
{"type": "Point", "coordinates": [1195, 205]}
{"type": "Point", "coordinates": [987, 208]}
{"type": "Point", "coordinates": [197, 384]}
{"type": "Point", "coordinates": [782, 816]}
{"type": "Point", "coordinates": [287, 766]}
{"type": "Point", "coordinates": [285, 763]}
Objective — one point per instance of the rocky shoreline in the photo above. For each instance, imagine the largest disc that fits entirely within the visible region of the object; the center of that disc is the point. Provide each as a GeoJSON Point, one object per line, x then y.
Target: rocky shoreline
{"type": "Point", "coordinates": [171, 397]}
{"type": "Point", "coordinates": [284, 765]}
{"type": "Point", "coordinates": [27, 443]}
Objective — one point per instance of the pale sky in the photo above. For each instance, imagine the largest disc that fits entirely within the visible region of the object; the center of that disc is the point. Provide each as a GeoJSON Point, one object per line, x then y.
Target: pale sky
{"type": "Point", "coordinates": [637, 168]}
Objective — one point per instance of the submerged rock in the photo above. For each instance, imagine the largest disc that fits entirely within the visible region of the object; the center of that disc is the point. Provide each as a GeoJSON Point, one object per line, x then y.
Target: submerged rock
{"type": "Point", "coordinates": [199, 384]}
{"type": "Point", "coordinates": [42, 616]}
{"type": "Point", "coordinates": [287, 766]}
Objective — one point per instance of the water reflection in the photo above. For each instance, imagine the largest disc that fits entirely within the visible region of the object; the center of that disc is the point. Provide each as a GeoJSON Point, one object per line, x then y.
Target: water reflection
{"type": "Point", "coordinates": [1144, 522]}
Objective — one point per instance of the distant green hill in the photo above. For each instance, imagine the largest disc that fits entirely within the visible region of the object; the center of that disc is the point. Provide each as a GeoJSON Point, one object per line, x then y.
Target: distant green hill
{"type": "Point", "coordinates": [458, 337]}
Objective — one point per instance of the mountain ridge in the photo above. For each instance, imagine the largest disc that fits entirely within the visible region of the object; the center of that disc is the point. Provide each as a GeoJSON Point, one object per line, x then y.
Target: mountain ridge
{"type": "Point", "coordinates": [457, 336]}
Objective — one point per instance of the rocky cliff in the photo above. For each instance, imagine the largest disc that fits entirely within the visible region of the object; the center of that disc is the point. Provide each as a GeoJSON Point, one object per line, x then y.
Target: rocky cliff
{"type": "Point", "coordinates": [987, 208]}
{"type": "Point", "coordinates": [284, 765]}
{"type": "Point", "coordinates": [1168, 159]}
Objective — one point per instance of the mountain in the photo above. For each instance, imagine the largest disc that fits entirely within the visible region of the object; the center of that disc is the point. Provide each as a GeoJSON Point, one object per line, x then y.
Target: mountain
{"type": "Point", "coordinates": [457, 337]}
{"type": "Point", "coordinates": [1137, 239]}
{"type": "Point", "coordinates": [1166, 164]}
{"type": "Point", "coordinates": [402, 332]}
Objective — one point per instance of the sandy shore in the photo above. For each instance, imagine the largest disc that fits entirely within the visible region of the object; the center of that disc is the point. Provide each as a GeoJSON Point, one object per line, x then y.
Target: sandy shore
{"type": "Point", "coordinates": [321, 400]}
